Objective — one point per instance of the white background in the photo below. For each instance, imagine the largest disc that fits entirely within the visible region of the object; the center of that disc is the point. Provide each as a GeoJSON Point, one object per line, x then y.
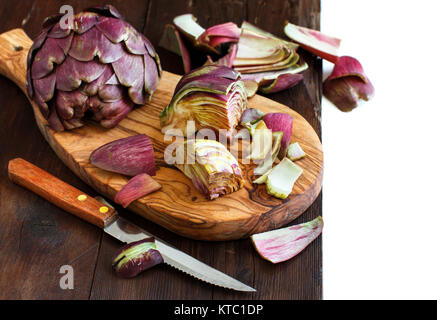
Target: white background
{"type": "Point", "coordinates": [379, 192]}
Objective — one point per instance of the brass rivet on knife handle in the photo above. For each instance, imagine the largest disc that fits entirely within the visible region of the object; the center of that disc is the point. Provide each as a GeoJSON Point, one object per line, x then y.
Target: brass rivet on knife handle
{"type": "Point", "coordinates": [60, 193]}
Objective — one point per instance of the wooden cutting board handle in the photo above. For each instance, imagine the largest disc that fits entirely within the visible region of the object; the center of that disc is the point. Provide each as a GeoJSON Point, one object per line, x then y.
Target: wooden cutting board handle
{"type": "Point", "coordinates": [60, 193]}
{"type": "Point", "coordinates": [14, 46]}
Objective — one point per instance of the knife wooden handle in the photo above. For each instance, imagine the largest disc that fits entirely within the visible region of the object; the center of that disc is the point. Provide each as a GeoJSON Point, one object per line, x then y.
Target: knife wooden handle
{"type": "Point", "coordinates": [60, 193]}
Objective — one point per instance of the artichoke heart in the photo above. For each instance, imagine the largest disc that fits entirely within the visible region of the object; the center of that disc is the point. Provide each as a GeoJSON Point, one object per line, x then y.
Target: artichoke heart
{"type": "Point", "coordinates": [212, 96]}
{"type": "Point", "coordinates": [211, 167]}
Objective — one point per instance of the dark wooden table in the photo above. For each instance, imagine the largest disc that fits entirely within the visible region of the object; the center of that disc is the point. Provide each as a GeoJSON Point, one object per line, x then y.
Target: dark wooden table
{"type": "Point", "coordinates": [37, 238]}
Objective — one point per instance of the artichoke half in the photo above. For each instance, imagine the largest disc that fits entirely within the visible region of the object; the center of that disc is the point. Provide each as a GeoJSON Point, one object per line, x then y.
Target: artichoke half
{"type": "Point", "coordinates": [212, 96]}
{"type": "Point", "coordinates": [99, 65]}
{"type": "Point", "coordinates": [213, 170]}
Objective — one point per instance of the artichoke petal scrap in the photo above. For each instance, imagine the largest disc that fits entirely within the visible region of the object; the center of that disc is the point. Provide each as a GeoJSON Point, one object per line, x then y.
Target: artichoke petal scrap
{"type": "Point", "coordinates": [213, 170]}
{"type": "Point", "coordinates": [314, 41]}
{"type": "Point", "coordinates": [348, 85]}
{"type": "Point", "coordinates": [101, 64]}
{"type": "Point", "coordinates": [172, 41]}
{"type": "Point", "coordinates": [208, 40]}
{"type": "Point", "coordinates": [266, 63]}
{"type": "Point", "coordinates": [283, 244]}
{"type": "Point", "coordinates": [211, 96]}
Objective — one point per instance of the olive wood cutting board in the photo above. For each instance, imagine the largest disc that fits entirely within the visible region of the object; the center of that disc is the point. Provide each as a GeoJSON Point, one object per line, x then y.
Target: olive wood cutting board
{"type": "Point", "coordinates": [177, 206]}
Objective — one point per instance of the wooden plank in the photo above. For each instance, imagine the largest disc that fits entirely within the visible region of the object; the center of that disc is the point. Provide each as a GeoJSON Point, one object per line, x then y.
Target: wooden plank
{"type": "Point", "coordinates": [37, 238]}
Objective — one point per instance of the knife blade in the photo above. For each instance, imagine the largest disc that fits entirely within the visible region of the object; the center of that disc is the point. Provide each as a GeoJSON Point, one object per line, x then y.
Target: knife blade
{"type": "Point", "coordinates": [100, 213]}
{"type": "Point", "coordinates": [175, 257]}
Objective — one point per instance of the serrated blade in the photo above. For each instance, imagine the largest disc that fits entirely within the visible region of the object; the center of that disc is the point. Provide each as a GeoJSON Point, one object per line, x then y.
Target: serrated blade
{"type": "Point", "coordinates": [127, 232]}
{"type": "Point", "coordinates": [198, 269]}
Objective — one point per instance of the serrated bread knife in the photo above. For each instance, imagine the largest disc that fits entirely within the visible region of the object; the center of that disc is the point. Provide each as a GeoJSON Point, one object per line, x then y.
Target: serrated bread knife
{"type": "Point", "coordinates": [98, 212]}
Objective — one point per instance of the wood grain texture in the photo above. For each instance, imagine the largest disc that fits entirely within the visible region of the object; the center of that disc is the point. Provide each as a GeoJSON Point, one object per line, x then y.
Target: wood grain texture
{"type": "Point", "coordinates": [177, 206]}
{"type": "Point", "coordinates": [36, 237]}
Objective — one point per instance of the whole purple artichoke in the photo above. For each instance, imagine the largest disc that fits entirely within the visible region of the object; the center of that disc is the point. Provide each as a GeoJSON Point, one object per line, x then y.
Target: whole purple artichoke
{"type": "Point", "coordinates": [101, 66]}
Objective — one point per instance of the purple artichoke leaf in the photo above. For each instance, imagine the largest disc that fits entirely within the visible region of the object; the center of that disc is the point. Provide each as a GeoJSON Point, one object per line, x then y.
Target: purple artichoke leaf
{"type": "Point", "coordinates": [92, 88]}
{"type": "Point", "coordinates": [137, 187]}
{"type": "Point", "coordinates": [110, 93]}
{"type": "Point", "coordinates": [137, 94]}
{"type": "Point", "coordinates": [93, 43]}
{"type": "Point", "coordinates": [65, 43]}
{"type": "Point", "coordinates": [282, 82]}
{"type": "Point", "coordinates": [209, 84]}
{"type": "Point", "coordinates": [44, 60]}
{"type": "Point", "coordinates": [130, 156]}
{"type": "Point", "coordinates": [96, 105]}
{"type": "Point", "coordinates": [42, 105]}
{"type": "Point", "coordinates": [209, 70]}
{"type": "Point", "coordinates": [129, 69]}
{"type": "Point", "coordinates": [112, 109]}
{"type": "Point", "coordinates": [29, 87]}
{"type": "Point", "coordinates": [52, 20]}
{"type": "Point", "coordinates": [113, 121]}
{"type": "Point", "coordinates": [72, 72]}
{"type": "Point", "coordinates": [346, 93]}
{"type": "Point", "coordinates": [38, 42]}
{"type": "Point", "coordinates": [113, 80]}
{"type": "Point", "coordinates": [280, 122]}
{"type": "Point", "coordinates": [106, 10]}
{"type": "Point", "coordinates": [151, 76]}
{"type": "Point", "coordinates": [45, 87]}
{"type": "Point", "coordinates": [136, 257]}
{"type": "Point", "coordinates": [54, 121]}
{"type": "Point", "coordinates": [220, 33]}
{"type": "Point", "coordinates": [348, 85]}
{"type": "Point", "coordinates": [57, 32]}
{"type": "Point", "coordinates": [72, 124]}
{"type": "Point", "coordinates": [114, 29]}
{"type": "Point", "coordinates": [84, 21]}
{"type": "Point", "coordinates": [66, 101]}
{"type": "Point", "coordinates": [135, 43]}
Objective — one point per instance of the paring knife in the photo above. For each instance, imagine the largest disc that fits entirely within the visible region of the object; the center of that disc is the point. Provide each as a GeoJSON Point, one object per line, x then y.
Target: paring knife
{"type": "Point", "coordinates": [100, 213]}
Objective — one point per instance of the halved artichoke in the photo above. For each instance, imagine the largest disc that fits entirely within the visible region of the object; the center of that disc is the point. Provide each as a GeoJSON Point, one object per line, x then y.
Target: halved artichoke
{"type": "Point", "coordinates": [212, 96]}
{"type": "Point", "coordinates": [101, 64]}
{"type": "Point", "coordinates": [213, 170]}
